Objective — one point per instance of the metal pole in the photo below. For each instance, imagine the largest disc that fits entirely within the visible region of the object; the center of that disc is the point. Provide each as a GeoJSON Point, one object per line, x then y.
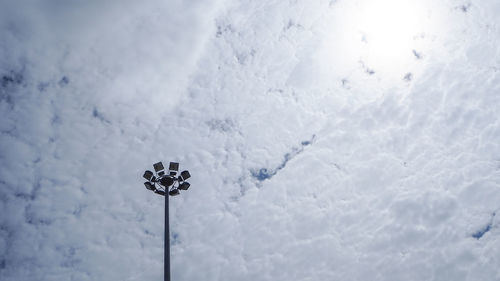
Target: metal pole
{"type": "Point", "coordinates": [166, 258]}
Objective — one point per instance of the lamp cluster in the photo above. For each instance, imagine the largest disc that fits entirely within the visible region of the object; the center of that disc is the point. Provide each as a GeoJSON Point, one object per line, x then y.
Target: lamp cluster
{"type": "Point", "coordinates": [167, 182]}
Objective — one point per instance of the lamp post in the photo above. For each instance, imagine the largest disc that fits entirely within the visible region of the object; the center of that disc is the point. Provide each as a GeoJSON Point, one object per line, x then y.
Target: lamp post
{"type": "Point", "coordinates": [166, 184]}
{"type": "Point", "coordinates": [166, 250]}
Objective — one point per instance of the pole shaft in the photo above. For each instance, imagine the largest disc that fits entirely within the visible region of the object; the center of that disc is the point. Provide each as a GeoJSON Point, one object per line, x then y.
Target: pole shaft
{"type": "Point", "coordinates": [166, 258]}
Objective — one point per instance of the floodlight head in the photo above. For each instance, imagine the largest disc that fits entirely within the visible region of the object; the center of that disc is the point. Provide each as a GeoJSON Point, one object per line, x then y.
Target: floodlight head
{"type": "Point", "coordinates": [174, 166]}
{"type": "Point", "coordinates": [174, 192]}
{"type": "Point", "coordinates": [161, 192]}
{"type": "Point", "coordinates": [185, 175]}
{"type": "Point", "coordinates": [166, 181]}
{"type": "Point", "coordinates": [149, 186]}
{"type": "Point", "coordinates": [170, 182]}
{"type": "Point", "coordinates": [148, 175]}
{"type": "Point", "coordinates": [158, 167]}
{"type": "Point", "coordinates": [184, 186]}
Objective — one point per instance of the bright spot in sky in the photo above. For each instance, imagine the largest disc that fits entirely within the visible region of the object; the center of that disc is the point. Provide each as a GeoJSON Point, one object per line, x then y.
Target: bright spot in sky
{"type": "Point", "coordinates": [382, 38]}
{"type": "Point", "coordinates": [390, 31]}
{"type": "Point", "coordinates": [390, 27]}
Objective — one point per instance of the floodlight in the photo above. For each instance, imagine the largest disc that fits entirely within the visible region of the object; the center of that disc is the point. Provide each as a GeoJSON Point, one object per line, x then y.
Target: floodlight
{"type": "Point", "coordinates": [174, 166]}
{"type": "Point", "coordinates": [158, 167]}
{"type": "Point", "coordinates": [174, 192]}
{"type": "Point", "coordinates": [184, 186]}
{"type": "Point", "coordinates": [169, 184]}
{"type": "Point", "coordinates": [185, 175]}
{"type": "Point", "coordinates": [161, 192]}
{"type": "Point", "coordinates": [148, 175]}
{"type": "Point", "coordinates": [150, 186]}
{"type": "Point", "coordinates": [167, 181]}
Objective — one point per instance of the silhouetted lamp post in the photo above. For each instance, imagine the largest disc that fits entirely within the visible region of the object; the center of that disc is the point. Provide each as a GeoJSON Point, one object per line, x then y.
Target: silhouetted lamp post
{"type": "Point", "coordinates": [166, 184]}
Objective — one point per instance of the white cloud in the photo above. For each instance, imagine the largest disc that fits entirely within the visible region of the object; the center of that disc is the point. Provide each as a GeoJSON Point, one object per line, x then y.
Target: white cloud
{"type": "Point", "coordinates": [307, 164]}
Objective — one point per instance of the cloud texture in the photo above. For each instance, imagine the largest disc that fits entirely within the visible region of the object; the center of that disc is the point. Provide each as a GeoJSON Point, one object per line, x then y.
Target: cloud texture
{"type": "Point", "coordinates": [311, 160]}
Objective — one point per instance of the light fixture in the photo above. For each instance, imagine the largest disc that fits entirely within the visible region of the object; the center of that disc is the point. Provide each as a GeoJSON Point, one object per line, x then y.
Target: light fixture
{"type": "Point", "coordinates": [148, 175]}
{"type": "Point", "coordinates": [174, 192]}
{"type": "Point", "coordinates": [150, 186]}
{"type": "Point", "coordinates": [159, 168]}
{"type": "Point", "coordinates": [185, 175]}
{"type": "Point", "coordinates": [161, 192]}
{"type": "Point", "coordinates": [173, 167]}
{"type": "Point", "coordinates": [184, 186]}
{"type": "Point", "coordinates": [169, 183]}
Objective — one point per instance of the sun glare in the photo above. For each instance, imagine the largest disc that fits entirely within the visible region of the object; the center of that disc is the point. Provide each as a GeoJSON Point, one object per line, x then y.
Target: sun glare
{"type": "Point", "coordinates": [385, 39]}
{"type": "Point", "coordinates": [390, 30]}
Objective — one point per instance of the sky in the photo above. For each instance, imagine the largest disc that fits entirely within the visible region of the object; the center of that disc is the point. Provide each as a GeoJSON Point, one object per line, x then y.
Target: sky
{"type": "Point", "coordinates": [327, 140]}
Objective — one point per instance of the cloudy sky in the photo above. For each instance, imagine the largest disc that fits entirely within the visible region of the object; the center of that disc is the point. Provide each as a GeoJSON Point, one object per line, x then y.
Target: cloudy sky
{"type": "Point", "coordinates": [327, 140]}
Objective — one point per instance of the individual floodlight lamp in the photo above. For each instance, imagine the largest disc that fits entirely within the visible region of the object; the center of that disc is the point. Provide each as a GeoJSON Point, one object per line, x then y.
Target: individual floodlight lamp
{"type": "Point", "coordinates": [159, 168]}
{"type": "Point", "coordinates": [174, 192]}
{"type": "Point", "coordinates": [148, 175]}
{"type": "Point", "coordinates": [168, 185]}
{"type": "Point", "coordinates": [173, 167]}
{"type": "Point", "coordinates": [184, 186]}
{"type": "Point", "coordinates": [185, 175]}
{"type": "Point", "coordinates": [150, 186]}
{"type": "Point", "coordinates": [161, 192]}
